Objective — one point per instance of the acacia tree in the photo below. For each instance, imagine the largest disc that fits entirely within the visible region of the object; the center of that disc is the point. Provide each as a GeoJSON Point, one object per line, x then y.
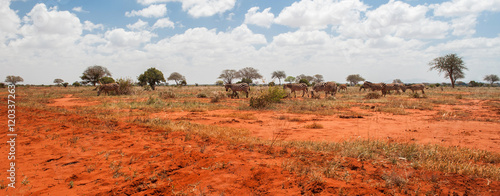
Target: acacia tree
{"type": "Point", "coordinates": [304, 77]}
{"type": "Point", "coordinates": [279, 75]}
{"type": "Point", "coordinates": [13, 79]}
{"type": "Point", "coordinates": [152, 76]}
{"type": "Point", "coordinates": [94, 73]}
{"type": "Point", "coordinates": [58, 81]}
{"type": "Point", "coordinates": [248, 74]}
{"type": "Point", "coordinates": [289, 79]}
{"type": "Point", "coordinates": [228, 76]}
{"type": "Point", "coordinates": [491, 78]}
{"type": "Point", "coordinates": [318, 78]}
{"type": "Point", "coordinates": [354, 79]}
{"type": "Point", "coordinates": [176, 77]}
{"type": "Point", "coordinates": [452, 65]}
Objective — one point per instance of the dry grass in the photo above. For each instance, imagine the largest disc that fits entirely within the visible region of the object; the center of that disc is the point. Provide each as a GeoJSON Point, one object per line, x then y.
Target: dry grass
{"type": "Point", "coordinates": [430, 157]}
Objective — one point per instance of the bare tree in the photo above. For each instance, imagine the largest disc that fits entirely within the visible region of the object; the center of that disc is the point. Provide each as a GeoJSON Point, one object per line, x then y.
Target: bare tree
{"type": "Point", "coordinates": [279, 75]}
{"type": "Point", "coordinates": [176, 77]}
{"type": "Point", "coordinates": [452, 65]}
{"type": "Point", "coordinates": [228, 76]}
{"type": "Point", "coordinates": [397, 81]}
{"type": "Point", "coordinates": [318, 78]}
{"type": "Point", "coordinates": [93, 73]}
{"type": "Point", "coordinates": [13, 79]}
{"type": "Point", "coordinates": [249, 73]}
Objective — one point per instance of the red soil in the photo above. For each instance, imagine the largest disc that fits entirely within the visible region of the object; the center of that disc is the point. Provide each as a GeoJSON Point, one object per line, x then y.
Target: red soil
{"type": "Point", "coordinates": [57, 150]}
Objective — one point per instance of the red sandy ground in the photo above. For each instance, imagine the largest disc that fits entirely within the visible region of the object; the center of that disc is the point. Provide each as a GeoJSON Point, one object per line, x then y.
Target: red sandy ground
{"type": "Point", "coordinates": [99, 157]}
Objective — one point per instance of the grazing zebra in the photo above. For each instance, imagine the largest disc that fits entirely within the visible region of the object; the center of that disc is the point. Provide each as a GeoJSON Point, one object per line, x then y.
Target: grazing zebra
{"type": "Point", "coordinates": [393, 86]}
{"type": "Point", "coordinates": [238, 87]}
{"type": "Point", "coordinates": [108, 87]}
{"type": "Point", "coordinates": [414, 87]}
{"type": "Point", "coordinates": [375, 87]}
{"type": "Point", "coordinates": [343, 87]}
{"type": "Point", "coordinates": [297, 87]}
{"type": "Point", "coordinates": [325, 86]}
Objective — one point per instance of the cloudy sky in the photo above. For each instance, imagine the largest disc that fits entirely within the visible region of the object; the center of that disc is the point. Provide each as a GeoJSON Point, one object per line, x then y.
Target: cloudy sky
{"type": "Point", "coordinates": [41, 40]}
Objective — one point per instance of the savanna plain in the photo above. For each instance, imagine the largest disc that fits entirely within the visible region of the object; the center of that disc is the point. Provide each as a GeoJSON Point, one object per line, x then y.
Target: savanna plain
{"type": "Point", "coordinates": [194, 140]}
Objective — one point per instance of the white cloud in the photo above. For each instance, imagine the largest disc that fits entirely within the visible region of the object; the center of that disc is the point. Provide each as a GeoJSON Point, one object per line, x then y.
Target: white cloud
{"type": "Point", "coordinates": [139, 25]}
{"type": "Point", "coordinates": [89, 26]}
{"type": "Point", "coordinates": [153, 11]}
{"type": "Point", "coordinates": [163, 23]}
{"type": "Point", "coordinates": [122, 38]}
{"type": "Point", "coordinates": [464, 26]}
{"type": "Point", "coordinates": [465, 7]}
{"type": "Point", "coordinates": [396, 18]}
{"type": "Point", "coordinates": [48, 28]}
{"type": "Point", "coordinates": [199, 8]}
{"type": "Point", "coordinates": [263, 19]}
{"type": "Point", "coordinates": [9, 21]}
{"type": "Point", "coordinates": [79, 9]}
{"type": "Point", "coordinates": [318, 14]}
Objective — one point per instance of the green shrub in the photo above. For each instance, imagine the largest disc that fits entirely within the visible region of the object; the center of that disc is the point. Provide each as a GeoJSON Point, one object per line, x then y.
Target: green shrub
{"type": "Point", "coordinates": [273, 95]}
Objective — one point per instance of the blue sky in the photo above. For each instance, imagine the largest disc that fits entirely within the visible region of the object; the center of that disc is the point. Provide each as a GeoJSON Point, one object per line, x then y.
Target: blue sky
{"type": "Point", "coordinates": [380, 40]}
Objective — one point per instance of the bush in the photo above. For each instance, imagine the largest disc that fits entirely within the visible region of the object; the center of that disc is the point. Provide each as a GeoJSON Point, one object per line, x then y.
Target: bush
{"type": "Point", "coordinates": [77, 84]}
{"type": "Point", "coordinates": [372, 95]}
{"type": "Point", "coordinates": [273, 95]}
{"type": "Point", "coordinates": [2, 85]}
{"type": "Point", "coordinates": [65, 84]}
{"type": "Point", "coordinates": [201, 95]}
{"type": "Point", "coordinates": [272, 84]}
{"type": "Point", "coordinates": [126, 86]}
{"type": "Point", "coordinates": [217, 96]}
{"type": "Point", "coordinates": [166, 94]}
{"type": "Point", "coordinates": [305, 81]}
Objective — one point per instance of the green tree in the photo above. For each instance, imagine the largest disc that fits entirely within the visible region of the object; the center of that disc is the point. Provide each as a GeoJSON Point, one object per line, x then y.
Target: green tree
{"type": "Point", "coordinates": [452, 65]}
{"type": "Point", "coordinates": [354, 79]}
{"type": "Point", "coordinates": [107, 80]}
{"type": "Point", "coordinates": [228, 76]}
{"type": "Point", "coordinates": [58, 81]}
{"type": "Point", "coordinates": [290, 79]}
{"type": "Point", "coordinates": [152, 76]}
{"type": "Point", "coordinates": [176, 77]}
{"type": "Point", "coordinates": [219, 83]}
{"type": "Point", "coordinates": [279, 75]}
{"type": "Point", "coordinates": [65, 84]}
{"type": "Point", "coordinates": [305, 81]}
{"type": "Point", "coordinates": [93, 73]}
{"type": "Point", "coordinates": [491, 78]}
{"type": "Point", "coordinates": [13, 79]}
{"type": "Point", "coordinates": [76, 83]}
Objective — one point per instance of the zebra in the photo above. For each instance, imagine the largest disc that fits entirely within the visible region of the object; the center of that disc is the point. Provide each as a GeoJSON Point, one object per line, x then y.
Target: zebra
{"type": "Point", "coordinates": [297, 87]}
{"type": "Point", "coordinates": [393, 86]}
{"type": "Point", "coordinates": [325, 86]}
{"type": "Point", "coordinates": [237, 87]}
{"type": "Point", "coordinates": [108, 87]}
{"type": "Point", "coordinates": [343, 87]}
{"type": "Point", "coordinates": [375, 87]}
{"type": "Point", "coordinates": [414, 87]}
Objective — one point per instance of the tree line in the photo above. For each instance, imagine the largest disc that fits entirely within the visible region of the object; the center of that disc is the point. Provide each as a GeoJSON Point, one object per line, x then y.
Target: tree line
{"type": "Point", "coordinates": [451, 65]}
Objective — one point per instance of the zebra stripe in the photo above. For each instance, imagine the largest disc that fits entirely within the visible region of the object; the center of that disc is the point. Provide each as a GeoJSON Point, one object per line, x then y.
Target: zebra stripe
{"type": "Point", "coordinates": [238, 87]}
{"type": "Point", "coordinates": [297, 87]}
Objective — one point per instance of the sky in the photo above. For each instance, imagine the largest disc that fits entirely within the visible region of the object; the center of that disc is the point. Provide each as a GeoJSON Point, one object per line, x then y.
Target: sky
{"type": "Point", "coordinates": [41, 40]}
